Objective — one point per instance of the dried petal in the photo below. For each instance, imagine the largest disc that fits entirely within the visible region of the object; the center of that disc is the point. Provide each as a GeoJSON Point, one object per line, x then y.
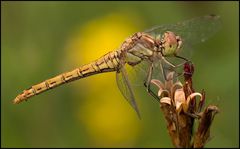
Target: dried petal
{"type": "Point", "coordinates": [158, 83]}
{"type": "Point", "coordinates": [179, 99]}
{"type": "Point", "coordinates": [166, 100]}
{"type": "Point", "coordinates": [169, 81]}
{"type": "Point", "coordinates": [176, 86]}
{"type": "Point", "coordinates": [163, 93]}
{"type": "Point", "coordinates": [189, 98]}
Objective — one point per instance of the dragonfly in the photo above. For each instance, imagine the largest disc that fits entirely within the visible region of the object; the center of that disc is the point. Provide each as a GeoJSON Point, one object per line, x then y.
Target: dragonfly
{"type": "Point", "coordinates": [145, 53]}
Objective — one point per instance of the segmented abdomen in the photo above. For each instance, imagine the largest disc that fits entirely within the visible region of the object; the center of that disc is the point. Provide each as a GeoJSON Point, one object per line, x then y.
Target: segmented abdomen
{"type": "Point", "coordinates": [107, 63]}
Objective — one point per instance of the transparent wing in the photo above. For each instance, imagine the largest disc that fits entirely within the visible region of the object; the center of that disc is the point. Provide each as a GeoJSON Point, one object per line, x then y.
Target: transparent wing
{"type": "Point", "coordinates": [191, 31]}
{"type": "Point", "coordinates": [138, 74]}
{"type": "Point", "coordinates": [124, 86]}
{"type": "Point", "coordinates": [163, 67]}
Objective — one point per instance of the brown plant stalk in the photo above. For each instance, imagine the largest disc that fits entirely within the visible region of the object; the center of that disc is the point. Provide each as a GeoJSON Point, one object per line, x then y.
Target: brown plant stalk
{"type": "Point", "coordinates": [178, 103]}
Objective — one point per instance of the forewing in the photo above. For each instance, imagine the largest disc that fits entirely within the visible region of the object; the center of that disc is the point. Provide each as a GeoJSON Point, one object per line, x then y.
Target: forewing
{"type": "Point", "coordinates": [191, 31]}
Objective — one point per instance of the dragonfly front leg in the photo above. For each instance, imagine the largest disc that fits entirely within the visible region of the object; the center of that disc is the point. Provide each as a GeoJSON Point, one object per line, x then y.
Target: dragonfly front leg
{"type": "Point", "coordinates": [163, 69]}
{"type": "Point", "coordinates": [173, 67]}
{"type": "Point", "coordinates": [147, 83]}
{"type": "Point", "coordinates": [177, 56]}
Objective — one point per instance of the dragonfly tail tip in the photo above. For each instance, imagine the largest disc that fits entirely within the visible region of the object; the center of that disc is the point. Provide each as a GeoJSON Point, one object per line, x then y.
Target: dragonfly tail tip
{"type": "Point", "coordinates": [17, 100]}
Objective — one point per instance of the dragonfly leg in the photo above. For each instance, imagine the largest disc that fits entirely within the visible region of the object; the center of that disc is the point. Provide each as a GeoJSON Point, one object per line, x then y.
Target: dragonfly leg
{"type": "Point", "coordinates": [186, 61]}
{"type": "Point", "coordinates": [173, 67]}
{"type": "Point", "coordinates": [189, 72]}
{"type": "Point", "coordinates": [181, 58]}
{"type": "Point", "coordinates": [147, 83]}
{"type": "Point", "coordinates": [163, 69]}
{"type": "Point", "coordinates": [169, 63]}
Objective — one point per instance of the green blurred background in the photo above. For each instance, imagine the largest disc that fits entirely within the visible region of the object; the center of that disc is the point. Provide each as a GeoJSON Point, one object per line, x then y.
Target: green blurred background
{"type": "Point", "coordinates": [42, 39]}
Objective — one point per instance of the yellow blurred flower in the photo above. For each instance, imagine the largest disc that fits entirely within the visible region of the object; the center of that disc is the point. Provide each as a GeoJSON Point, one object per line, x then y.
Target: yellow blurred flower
{"type": "Point", "coordinates": [108, 119]}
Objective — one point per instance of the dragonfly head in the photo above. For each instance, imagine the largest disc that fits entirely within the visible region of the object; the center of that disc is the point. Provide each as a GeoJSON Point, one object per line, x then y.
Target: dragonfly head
{"type": "Point", "coordinates": [170, 43]}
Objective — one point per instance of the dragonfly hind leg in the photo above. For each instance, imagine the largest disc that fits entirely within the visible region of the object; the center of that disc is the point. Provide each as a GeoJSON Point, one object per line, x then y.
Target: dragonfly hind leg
{"type": "Point", "coordinates": [147, 83]}
{"type": "Point", "coordinates": [151, 92]}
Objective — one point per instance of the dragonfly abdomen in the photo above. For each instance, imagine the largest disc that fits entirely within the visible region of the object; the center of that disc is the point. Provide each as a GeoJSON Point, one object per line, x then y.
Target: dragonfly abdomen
{"type": "Point", "coordinates": [107, 63]}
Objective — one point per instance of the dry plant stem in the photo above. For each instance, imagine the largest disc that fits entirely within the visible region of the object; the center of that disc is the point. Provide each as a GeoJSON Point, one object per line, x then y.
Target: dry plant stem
{"type": "Point", "coordinates": [203, 132]}
{"type": "Point", "coordinates": [179, 106]}
{"type": "Point", "coordinates": [179, 126]}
